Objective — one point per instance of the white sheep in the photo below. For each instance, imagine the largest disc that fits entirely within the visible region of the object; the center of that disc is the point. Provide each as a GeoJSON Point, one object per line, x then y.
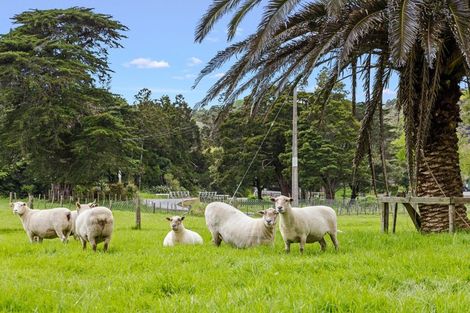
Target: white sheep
{"type": "Point", "coordinates": [44, 224]}
{"type": "Point", "coordinates": [228, 224]}
{"type": "Point", "coordinates": [74, 218]}
{"type": "Point", "coordinates": [94, 224]}
{"type": "Point", "coordinates": [305, 225]}
{"type": "Point", "coordinates": [179, 234]}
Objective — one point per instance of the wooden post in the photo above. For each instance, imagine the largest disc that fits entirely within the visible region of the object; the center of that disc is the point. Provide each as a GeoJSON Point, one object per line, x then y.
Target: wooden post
{"type": "Point", "coordinates": [30, 201]}
{"type": "Point", "coordinates": [138, 217]}
{"type": "Point", "coordinates": [451, 217]}
{"type": "Point", "coordinates": [154, 205]}
{"type": "Point", "coordinates": [11, 197]}
{"type": "Point", "coordinates": [61, 200]}
{"type": "Point", "coordinates": [111, 205]}
{"type": "Point", "coordinates": [395, 213]}
{"type": "Point", "coordinates": [385, 216]}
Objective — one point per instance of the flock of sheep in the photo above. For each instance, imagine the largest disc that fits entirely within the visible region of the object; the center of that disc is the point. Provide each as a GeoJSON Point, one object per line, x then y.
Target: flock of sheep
{"type": "Point", "coordinates": [94, 224]}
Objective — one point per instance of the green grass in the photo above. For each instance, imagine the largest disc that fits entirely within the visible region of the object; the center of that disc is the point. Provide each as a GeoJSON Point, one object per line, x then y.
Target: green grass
{"type": "Point", "coordinates": [372, 272]}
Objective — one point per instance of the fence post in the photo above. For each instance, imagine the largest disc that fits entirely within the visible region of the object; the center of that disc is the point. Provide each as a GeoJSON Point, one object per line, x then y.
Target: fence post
{"type": "Point", "coordinates": [138, 217]}
{"type": "Point", "coordinates": [153, 205]}
{"type": "Point", "coordinates": [61, 200]}
{"type": "Point", "coordinates": [30, 201]}
{"type": "Point", "coordinates": [11, 197]}
{"type": "Point", "coordinates": [451, 216]}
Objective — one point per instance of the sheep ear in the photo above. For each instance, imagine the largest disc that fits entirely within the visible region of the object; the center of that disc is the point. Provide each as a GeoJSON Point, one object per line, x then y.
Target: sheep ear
{"type": "Point", "coordinates": [182, 218]}
{"type": "Point", "coordinates": [291, 200]}
{"type": "Point", "coordinates": [272, 199]}
{"type": "Point", "coordinates": [169, 219]}
{"type": "Point", "coordinates": [261, 212]}
{"type": "Point", "coordinates": [78, 205]}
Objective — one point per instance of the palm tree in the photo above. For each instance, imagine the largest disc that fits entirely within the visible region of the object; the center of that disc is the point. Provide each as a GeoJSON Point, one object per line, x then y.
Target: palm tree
{"type": "Point", "coordinates": [426, 42]}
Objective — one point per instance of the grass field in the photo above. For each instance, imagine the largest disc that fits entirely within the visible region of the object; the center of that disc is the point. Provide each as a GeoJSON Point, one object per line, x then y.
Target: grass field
{"type": "Point", "coordinates": [372, 272]}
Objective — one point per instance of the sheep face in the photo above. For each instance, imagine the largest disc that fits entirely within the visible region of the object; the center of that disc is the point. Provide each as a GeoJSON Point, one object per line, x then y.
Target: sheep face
{"type": "Point", "coordinates": [19, 208]}
{"type": "Point", "coordinates": [269, 217]}
{"type": "Point", "coordinates": [176, 222]}
{"type": "Point", "coordinates": [281, 203]}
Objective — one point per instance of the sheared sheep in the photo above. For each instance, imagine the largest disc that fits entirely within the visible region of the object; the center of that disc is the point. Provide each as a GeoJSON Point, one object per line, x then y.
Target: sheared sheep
{"type": "Point", "coordinates": [228, 224]}
{"type": "Point", "coordinates": [74, 218]}
{"type": "Point", "coordinates": [44, 224]}
{"type": "Point", "coordinates": [179, 234]}
{"type": "Point", "coordinates": [305, 225]}
{"type": "Point", "coordinates": [94, 224]}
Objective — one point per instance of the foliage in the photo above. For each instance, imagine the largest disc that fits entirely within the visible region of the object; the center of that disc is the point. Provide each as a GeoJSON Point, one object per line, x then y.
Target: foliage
{"type": "Point", "coordinates": [51, 105]}
{"type": "Point", "coordinates": [170, 141]}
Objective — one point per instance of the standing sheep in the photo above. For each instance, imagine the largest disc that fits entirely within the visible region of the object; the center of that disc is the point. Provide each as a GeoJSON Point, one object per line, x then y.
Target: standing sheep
{"type": "Point", "coordinates": [179, 234]}
{"type": "Point", "coordinates": [44, 224]}
{"type": "Point", "coordinates": [228, 224]}
{"type": "Point", "coordinates": [305, 225]}
{"type": "Point", "coordinates": [94, 224]}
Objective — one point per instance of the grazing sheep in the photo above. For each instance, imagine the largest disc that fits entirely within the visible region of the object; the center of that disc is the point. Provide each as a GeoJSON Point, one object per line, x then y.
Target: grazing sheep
{"type": "Point", "coordinates": [94, 224]}
{"type": "Point", "coordinates": [44, 224]}
{"type": "Point", "coordinates": [179, 234]}
{"type": "Point", "coordinates": [305, 225]}
{"type": "Point", "coordinates": [238, 229]}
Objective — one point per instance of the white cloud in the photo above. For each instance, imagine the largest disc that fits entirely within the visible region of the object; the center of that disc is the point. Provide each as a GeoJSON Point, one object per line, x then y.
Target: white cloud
{"type": "Point", "coordinates": [194, 61]}
{"type": "Point", "coordinates": [389, 92]}
{"type": "Point", "coordinates": [147, 63]}
{"type": "Point", "coordinates": [212, 39]}
{"type": "Point", "coordinates": [218, 75]}
{"type": "Point", "coordinates": [184, 77]}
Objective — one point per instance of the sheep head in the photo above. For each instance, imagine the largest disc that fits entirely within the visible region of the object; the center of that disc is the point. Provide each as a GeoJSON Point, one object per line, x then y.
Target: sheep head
{"type": "Point", "coordinates": [282, 203]}
{"type": "Point", "coordinates": [19, 208]}
{"type": "Point", "coordinates": [269, 217]}
{"type": "Point", "coordinates": [176, 222]}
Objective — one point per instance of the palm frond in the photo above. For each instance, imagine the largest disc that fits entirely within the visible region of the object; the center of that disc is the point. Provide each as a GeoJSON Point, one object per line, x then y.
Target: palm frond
{"type": "Point", "coordinates": [459, 16]}
{"type": "Point", "coordinates": [404, 18]}
{"type": "Point", "coordinates": [246, 7]}
{"type": "Point", "coordinates": [218, 9]}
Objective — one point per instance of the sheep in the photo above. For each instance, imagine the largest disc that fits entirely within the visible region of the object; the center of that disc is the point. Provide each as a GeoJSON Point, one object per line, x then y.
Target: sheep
{"type": "Point", "coordinates": [305, 225]}
{"type": "Point", "coordinates": [94, 224]}
{"type": "Point", "coordinates": [44, 224]}
{"type": "Point", "coordinates": [74, 218]}
{"type": "Point", "coordinates": [228, 224]}
{"type": "Point", "coordinates": [179, 234]}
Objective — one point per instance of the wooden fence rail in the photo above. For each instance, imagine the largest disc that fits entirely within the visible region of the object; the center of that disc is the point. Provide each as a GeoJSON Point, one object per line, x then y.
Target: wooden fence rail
{"type": "Point", "coordinates": [411, 205]}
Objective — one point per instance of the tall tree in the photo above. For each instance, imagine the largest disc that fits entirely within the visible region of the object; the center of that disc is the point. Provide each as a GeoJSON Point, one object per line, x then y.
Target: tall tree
{"type": "Point", "coordinates": [53, 76]}
{"type": "Point", "coordinates": [426, 42]}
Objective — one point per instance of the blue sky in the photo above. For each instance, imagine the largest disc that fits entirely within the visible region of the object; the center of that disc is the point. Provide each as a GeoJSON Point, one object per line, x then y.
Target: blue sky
{"type": "Point", "coordinates": [159, 53]}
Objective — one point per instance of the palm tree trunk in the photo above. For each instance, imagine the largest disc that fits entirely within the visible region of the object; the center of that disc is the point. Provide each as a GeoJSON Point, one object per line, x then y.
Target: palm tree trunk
{"type": "Point", "coordinates": [439, 171]}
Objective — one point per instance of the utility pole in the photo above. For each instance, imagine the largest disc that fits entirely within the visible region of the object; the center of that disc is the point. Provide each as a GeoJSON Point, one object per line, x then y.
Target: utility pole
{"type": "Point", "coordinates": [295, 160]}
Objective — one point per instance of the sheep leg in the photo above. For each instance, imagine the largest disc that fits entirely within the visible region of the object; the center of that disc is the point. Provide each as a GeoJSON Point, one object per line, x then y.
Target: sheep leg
{"type": "Point", "coordinates": [93, 243]}
{"type": "Point", "coordinates": [83, 241]}
{"type": "Point", "coordinates": [31, 237]}
{"type": "Point", "coordinates": [216, 238]}
{"type": "Point", "coordinates": [59, 232]}
{"type": "Point", "coordinates": [287, 245]}
{"type": "Point", "coordinates": [322, 244]}
{"type": "Point", "coordinates": [335, 241]}
{"type": "Point", "coordinates": [106, 244]}
{"type": "Point", "coordinates": [303, 239]}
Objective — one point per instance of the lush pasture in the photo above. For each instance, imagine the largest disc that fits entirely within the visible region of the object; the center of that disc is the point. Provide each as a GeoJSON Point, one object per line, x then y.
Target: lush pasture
{"type": "Point", "coordinates": [372, 272]}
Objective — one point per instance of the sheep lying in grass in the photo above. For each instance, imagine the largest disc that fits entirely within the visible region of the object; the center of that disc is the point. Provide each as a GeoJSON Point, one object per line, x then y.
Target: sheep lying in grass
{"type": "Point", "coordinates": [179, 234]}
{"type": "Point", "coordinates": [94, 224]}
{"type": "Point", "coordinates": [305, 225]}
{"type": "Point", "coordinates": [228, 224]}
{"type": "Point", "coordinates": [44, 224]}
